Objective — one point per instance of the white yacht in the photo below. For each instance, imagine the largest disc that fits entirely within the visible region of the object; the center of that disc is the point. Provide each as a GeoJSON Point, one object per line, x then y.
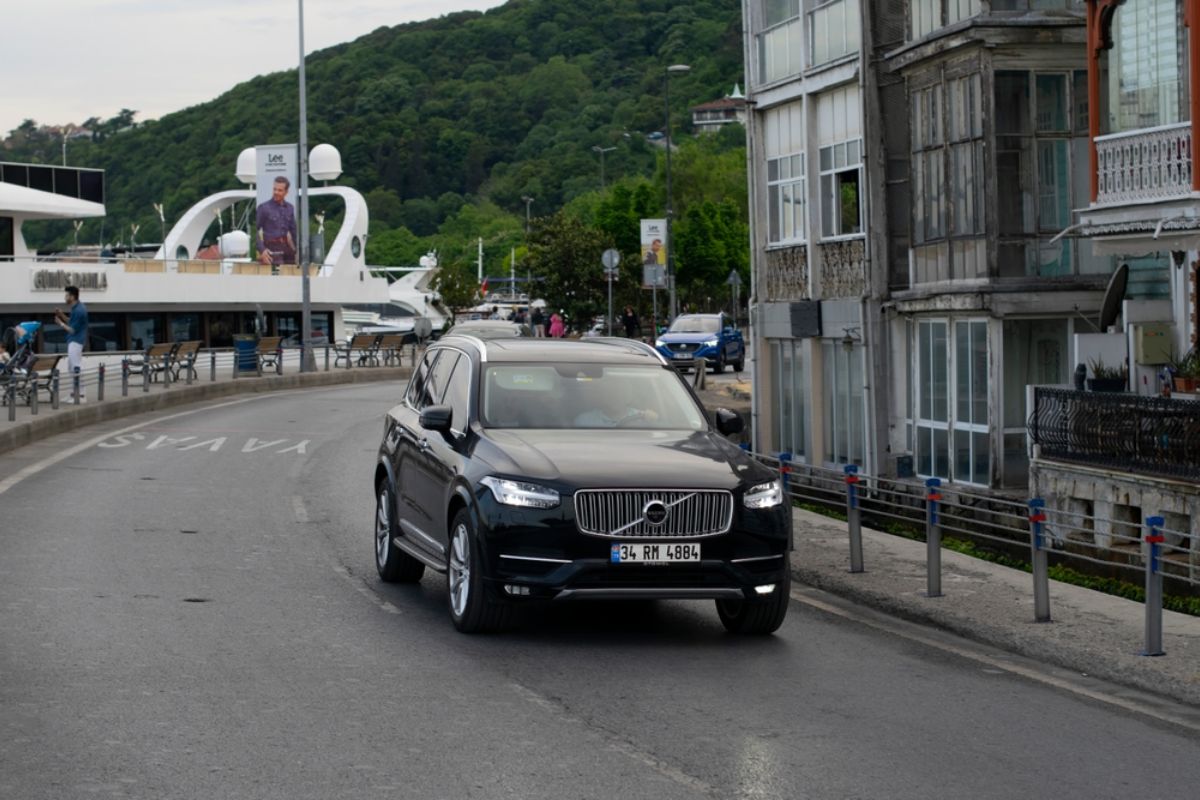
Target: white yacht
{"type": "Point", "coordinates": [183, 292]}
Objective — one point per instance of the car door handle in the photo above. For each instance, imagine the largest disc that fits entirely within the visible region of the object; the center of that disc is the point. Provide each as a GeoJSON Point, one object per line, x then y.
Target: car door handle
{"type": "Point", "coordinates": [423, 444]}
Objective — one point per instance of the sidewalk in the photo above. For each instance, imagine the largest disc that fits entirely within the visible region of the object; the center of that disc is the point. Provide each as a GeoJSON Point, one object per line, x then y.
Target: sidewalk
{"type": "Point", "coordinates": [1091, 632]}
{"type": "Point", "coordinates": [29, 428]}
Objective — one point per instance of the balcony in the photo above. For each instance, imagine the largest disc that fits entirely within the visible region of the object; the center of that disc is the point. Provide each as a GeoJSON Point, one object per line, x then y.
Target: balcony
{"type": "Point", "coordinates": [843, 268]}
{"type": "Point", "coordinates": [787, 274]}
{"type": "Point", "coordinates": [1144, 165]}
{"type": "Point", "coordinates": [1152, 436]}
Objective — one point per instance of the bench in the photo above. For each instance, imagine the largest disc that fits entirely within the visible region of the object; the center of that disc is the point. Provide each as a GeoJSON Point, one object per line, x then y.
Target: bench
{"type": "Point", "coordinates": [39, 377]}
{"type": "Point", "coordinates": [391, 345]}
{"type": "Point", "coordinates": [157, 359]}
{"type": "Point", "coordinates": [365, 344]}
{"type": "Point", "coordinates": [185, 359]}
{"type": "Point", "coordinates": [269, 352]}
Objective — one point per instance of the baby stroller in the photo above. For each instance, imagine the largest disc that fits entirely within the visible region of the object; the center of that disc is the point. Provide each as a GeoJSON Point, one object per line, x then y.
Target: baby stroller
{"type": "Point", "coordinates": [18, 343]}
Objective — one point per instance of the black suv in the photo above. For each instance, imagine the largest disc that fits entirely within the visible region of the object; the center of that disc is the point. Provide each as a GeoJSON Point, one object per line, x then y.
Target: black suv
{"type": "Point", "coordinates": [537, 469]}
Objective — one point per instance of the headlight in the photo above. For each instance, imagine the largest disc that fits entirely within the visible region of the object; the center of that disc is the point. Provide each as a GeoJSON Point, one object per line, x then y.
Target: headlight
{"type": "Point", "coordinates": [659, 343]}
{"type": "Point", "coordinates": [765, 495]}
{"type": "Point", "coordinates": [711, 343]}
{"type": "Point", "coordinates": [518, 493]}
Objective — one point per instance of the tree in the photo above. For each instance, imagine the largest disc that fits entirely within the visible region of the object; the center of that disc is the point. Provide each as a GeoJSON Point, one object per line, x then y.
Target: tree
{"type": "Point", "coordinates": [455, 282]}
{"type": "Point", "coordinates": [565, 254]}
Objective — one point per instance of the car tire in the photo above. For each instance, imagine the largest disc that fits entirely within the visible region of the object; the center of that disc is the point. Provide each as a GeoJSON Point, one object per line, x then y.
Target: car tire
{"type": "Point", "coordinates": [472, 609]}
{"type": "Point", "coordinates": [719, 365]}
{"type": "Point", "coordinates": [393, 564]}
{"type": "Point", "coordinates": [756, 617]}
{"type": "Point", "coordinates": [740, 364]}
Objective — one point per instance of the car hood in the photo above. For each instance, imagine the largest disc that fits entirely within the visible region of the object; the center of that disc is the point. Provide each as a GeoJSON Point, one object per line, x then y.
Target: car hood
{"type": "Point", "coordinates": [624, 458]}
{"type": "Point", "coordinates": [688, 338]}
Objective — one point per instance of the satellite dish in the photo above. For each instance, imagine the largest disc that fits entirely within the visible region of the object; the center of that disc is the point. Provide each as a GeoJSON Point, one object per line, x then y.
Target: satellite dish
{"type": "Point", "coordinates": [247, 166]}
{"type": "Point", "coordinates": [324, 163]}
{"type": "Point", "coordinates": [1114, 295]}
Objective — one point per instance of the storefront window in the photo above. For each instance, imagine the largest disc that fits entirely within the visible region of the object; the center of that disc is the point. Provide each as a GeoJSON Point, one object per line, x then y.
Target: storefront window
{"type": "Point", "coordinates": [843, 403]}
{"type": "Point", "coordinates": [185, 327]}
{"type": "Point", "coordinates": [145, 330]}
{"type": "Point", "coordinates": [105, 331]}
{"type": "Point", "coordinates": [790, 395]}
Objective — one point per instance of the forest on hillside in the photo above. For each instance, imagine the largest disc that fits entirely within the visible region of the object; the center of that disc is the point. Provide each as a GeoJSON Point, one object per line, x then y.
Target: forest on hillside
{"type": "Point", "coordinates": [445, 125]}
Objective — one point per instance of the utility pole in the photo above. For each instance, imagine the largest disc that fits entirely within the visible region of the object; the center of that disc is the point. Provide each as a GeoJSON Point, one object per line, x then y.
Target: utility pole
{"type": "Point", "coordinates": [308, 363]}
{"type": "Point", "coordinates": [602, 150]}
{"type": "Point", "coordinates": [674, 69]}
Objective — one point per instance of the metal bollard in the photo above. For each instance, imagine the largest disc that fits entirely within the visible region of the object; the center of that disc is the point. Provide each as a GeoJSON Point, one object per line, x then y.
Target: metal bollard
{"type": "Point", "coordinates": [145, 378]}
{"type": "Point", "coordinates": [54, 389]}
{"type": "Point", "coordinates": [75, 385]}
{"type": "Point", "coordinates": [1040, 560]}
{"type": "Point", "coordinates": [33, 398]}
{"type": "Point", "coordinates": [701, 367]}
{"type": "Point", "coordinates": [166, 372]}
{"type": "Point", "coordinates": [854, 518]}
{"type": "Point", "coordinates": [1152, 552]}
{"type": "Point", "coordinates": [933, 540]}
{"type": "Point", "coordinates": [258, 362]}
{"type": "Point", "coordinates": [327, 358]}
{"type": "Point", "coordinates": [124, 377]}
{"type": "Point", "coordinates": [100, 386]}
{"type": "Point", "coordinates": [279, 360]}
{"type": "Point", "coordinates": [10, 393]}
{"type": "Point", "coordinates": [212, 367]}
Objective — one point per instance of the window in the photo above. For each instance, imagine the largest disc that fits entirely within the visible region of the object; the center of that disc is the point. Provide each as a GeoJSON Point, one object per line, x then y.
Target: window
{"type": "Point", "coordinates": [416, 384]}
{"type": "Point", "coordinates": [458, 395]}
{"type": "Point", "coordinates": [1147, 77]}
{"type": "Point", "coordinates": [952, 439]}
{"type": "Point", "coordinates": [786, 184]}
{"type": "Point", "coordinates": [839, 115]}
{"type": "Point", "coordinates": [779, 43]}
{"type": "Point", "coordinates": [1035, 354]}
{"type": "Point", "coordinates": [789, 368]}
{"type": "Point", "coordinates": [926, 17]}
{"type": "Point", "coordinates": [843, 403]}
{"type": "Point", "coordinates": [185, 327]}
{"type": "Point", "coordinates": [1041, 145]}
{"type": "Point", "coordinates": [833, 31]}
{"type": "Point", "coordinates": [7, 239]}
{"type": "Point", "coordinates": [145, 330]}
{"type": "Point", "coordinates": [439, 377]}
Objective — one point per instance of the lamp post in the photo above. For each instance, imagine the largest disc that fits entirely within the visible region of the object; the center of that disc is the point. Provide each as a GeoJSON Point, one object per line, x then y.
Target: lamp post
{"type": "Point", "coordinates": [674, 69]}
{"type": "Point", "coordinates": [528, 202]}
{"type": "Point", "coordinates": [602, 150]}
{"type": "Point", "coordinates": [308, 363]}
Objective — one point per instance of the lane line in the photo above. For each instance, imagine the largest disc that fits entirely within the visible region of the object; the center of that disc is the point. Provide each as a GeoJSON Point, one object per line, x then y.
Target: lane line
{"type": "Point", "coordinates": [910, 631]}
{"type": "Point", "coordinates": [613, 742]}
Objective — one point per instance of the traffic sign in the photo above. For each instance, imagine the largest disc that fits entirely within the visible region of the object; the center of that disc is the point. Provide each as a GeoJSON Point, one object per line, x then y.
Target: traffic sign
{"type": "Point", "coordinates": [610, 260]}
{"type": "Point", "coordinates": [734, 278]}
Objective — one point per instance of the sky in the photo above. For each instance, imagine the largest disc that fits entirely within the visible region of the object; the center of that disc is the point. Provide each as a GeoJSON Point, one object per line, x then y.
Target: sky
{"type": "Point", "coordinates": [67, 60]}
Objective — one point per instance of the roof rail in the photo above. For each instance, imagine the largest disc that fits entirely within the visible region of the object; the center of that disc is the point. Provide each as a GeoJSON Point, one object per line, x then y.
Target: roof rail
{"type": "Point", "coordinates": [475, 340]}
{"type": "Point", "coordinates": [636, 344]}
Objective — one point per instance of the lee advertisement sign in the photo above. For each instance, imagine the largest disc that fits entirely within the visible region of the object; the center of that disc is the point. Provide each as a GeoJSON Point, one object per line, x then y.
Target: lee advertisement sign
{"type": "Point", "coordinates": [654, 253]}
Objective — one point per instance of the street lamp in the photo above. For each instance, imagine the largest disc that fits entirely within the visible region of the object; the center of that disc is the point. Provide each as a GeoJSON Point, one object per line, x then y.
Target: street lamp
{"type": "Point", "coordinates": [528, 202]}
{"type": "Point", "coordinates": [602, 150]}
{"type": "Point", "coordinates": [308, 362]}
{"type": "Point", "coordinates": [674, 69]}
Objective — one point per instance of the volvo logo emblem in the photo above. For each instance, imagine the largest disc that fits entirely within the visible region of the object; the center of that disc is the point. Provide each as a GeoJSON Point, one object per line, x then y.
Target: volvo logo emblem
{"type": "Point", "coordinates": [656, 512]}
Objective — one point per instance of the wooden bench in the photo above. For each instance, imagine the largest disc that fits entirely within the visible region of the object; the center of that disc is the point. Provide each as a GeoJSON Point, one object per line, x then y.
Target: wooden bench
{"type": "Point", "coordinates": [157, 359]}
{"type": "Point", "coordinates": [185, 359]}
{"type": "Point", "coordinates": [268, 352]}
{"type": "Point", "coordinates": [39, 377]}
{"type": "Point", "coordinates": [391, 346]}
{"type": "Point", "coordinates": [365, 344]}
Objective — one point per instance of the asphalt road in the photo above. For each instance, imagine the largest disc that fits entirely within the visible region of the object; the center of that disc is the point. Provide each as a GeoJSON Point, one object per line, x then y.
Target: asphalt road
{"type": "Point", "coordinates": [200, 618]}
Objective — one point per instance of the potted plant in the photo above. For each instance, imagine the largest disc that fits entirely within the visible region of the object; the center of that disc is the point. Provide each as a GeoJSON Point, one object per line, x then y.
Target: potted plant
{"type": "Point", "coordinates": [1186, 372]}
{"type": "Point", "coordinates": [1105, 378]}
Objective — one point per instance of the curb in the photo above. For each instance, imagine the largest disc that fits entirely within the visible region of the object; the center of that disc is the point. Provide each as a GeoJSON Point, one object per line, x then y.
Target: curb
{"type": "Point", "coordinates": [70, 417]}
{"type": "Point", "coordinates": [977, 631]}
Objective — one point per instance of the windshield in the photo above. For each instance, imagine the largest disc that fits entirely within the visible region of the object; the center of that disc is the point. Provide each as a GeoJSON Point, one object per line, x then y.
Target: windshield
{"type": "Point", "coordinates": [695, 324]}
{"type": "Point", "coordinates": [572, 396]}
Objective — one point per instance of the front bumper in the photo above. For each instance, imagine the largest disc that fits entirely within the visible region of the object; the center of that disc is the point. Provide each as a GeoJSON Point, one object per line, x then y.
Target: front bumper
{"type": "Point", "coordinates": [686, 358]}
{"type": "Point", "coordinates": [545, 555]}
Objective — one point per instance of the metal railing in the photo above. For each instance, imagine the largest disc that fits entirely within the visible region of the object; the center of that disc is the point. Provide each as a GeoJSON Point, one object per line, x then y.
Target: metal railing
{"type": "Point", "coordinates": [1029, 533]}
{"type": "Point", "coordinates": [107, 375]}
{"type": "Point", "coordinates": [1149, 435]}
{"type": "Point", "coordinates": [1147, 164]}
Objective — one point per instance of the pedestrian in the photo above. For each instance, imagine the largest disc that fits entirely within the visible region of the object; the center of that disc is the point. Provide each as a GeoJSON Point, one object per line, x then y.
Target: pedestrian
{"type": "Point", "coordinates": [557, 329]}
{"type": "Point", "coordinates": [76, 326]}
{"type": "Point", "coordinates": [632, 324]}
{"type": "Point", "coordinates": [538, 319]}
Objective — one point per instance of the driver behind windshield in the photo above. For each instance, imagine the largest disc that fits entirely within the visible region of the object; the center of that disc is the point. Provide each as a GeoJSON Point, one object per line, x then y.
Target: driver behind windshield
{"type": "Point", "coordinates": [610, 410]}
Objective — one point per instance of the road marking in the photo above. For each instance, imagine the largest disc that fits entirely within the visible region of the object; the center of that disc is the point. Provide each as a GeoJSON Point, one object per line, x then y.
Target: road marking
{"type": "Point", "coordinates": [617, 744]}
{"type": "Point", "coordinates": [254, 444]}
{"type": "Point", "coordinates": [1147, 705]}
{"type": "Point", "coordinates": [366, 591]}
{"type": "Point", "coordinates": [298, 509]}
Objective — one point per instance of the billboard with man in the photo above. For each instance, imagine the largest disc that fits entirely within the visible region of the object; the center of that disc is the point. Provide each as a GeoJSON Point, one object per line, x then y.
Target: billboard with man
{"type": "Point", "coordinates": [275, 216]}
{"type": "Point", "coordinates": [654, 253]}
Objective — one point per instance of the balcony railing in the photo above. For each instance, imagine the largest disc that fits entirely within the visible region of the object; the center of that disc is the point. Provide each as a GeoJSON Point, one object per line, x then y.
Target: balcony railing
{"type": "Point", "coordinates": [1126, 432]}
{"type": "Point", "coordinates": [1150, 164]}
{"type": "Point", "coordinates": [787, 274]}
{"type": "Point", "coordinates": [843, 268]}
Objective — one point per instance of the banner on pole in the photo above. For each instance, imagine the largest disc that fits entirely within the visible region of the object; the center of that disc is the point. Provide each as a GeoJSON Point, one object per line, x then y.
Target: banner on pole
{"type": "Point", "coordinates": [654, 253]}
{"type": "Point", "coordinates": [276, 192]}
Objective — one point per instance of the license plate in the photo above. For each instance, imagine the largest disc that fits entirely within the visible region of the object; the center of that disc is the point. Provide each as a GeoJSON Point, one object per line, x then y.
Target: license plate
{"type": "Point", "coordinates": [671, 553]}
{"type": "Point", "coordinates": [681, 355]}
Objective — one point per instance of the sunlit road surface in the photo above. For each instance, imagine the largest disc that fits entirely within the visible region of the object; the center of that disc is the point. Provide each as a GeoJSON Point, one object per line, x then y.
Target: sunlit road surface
{"type": "Point", "coordinates": [189, 609]}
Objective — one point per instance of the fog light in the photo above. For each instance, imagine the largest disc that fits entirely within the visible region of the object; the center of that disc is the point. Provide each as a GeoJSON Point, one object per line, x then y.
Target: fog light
{"type": "Point", "coordinates": [516, 591]}
{"type": "Point", "coordinates": [766, 588]}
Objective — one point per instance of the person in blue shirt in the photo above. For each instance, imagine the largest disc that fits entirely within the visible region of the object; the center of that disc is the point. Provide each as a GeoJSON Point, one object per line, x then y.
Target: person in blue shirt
{"type": "Point", "coordinates": [76, 326]}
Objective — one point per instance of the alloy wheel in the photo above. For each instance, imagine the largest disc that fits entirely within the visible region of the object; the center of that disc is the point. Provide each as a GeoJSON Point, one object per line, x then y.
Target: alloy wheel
{"type": "Point", "coordinates": [460, 570]}
{"type": "Point", "coordinates": [383, 528]}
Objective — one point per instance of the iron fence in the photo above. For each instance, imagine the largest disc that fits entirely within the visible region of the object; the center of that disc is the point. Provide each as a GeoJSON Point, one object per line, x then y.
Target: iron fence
{"type": "Point", "coordinates": [1150, 435]}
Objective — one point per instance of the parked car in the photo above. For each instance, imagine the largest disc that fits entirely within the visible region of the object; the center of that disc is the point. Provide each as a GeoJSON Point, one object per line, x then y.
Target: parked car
{"type": "Point", "coordinates": [532, 470]}
{"type": "Point", "coordinates": [709, 336]}
{"type": "Point", "coordinates": [491, 329]}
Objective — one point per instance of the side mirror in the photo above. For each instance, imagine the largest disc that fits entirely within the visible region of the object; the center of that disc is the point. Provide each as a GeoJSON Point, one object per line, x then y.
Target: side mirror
{"type": "Point", "coordinates": [436, 418]}
{"type": "Point", "coordinates": [729, 422]}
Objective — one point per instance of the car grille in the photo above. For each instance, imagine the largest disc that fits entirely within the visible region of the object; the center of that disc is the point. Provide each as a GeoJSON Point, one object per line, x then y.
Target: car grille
{"type": "Point", "coordinates": [618, 513]}
{"type": "Point", "coordinates": [683, 347]}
